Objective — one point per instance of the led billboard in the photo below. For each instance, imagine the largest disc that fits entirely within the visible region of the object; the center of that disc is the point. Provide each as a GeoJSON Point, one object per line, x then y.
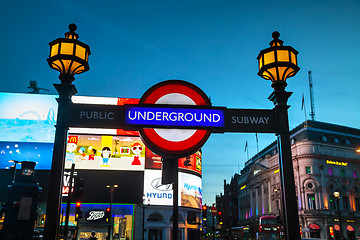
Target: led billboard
{"type": "Point", "coordinates": [32, 117]}
{"type": "Point", "coordinates": [190, 190]}
{"type": "Point", "coordinates": [100, 152]}
{"type": "Point", "coordinates": [191, 163]}
{"type": "Point", "coordinates": [27, 117]}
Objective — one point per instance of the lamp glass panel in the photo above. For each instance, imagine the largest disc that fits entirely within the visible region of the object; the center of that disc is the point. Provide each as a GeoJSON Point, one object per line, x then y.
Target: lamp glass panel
{"type": "Point", "coordinates": [266, 75]}
{"type": "Point", "coordinates": [54, 49]}
{"type": "Point", "coordinates": [291, 73]}
{"type": "Point", "coordinates": [282, 73]}
{"type": "Point", "coordinates": [293, 58]}
{"type": "Point", "coordinates": [272, 72]}
{"type": "Point", "coordinates": [269, 58]}
{"type": "Point", "coordinates": [66, 66]}
{"type": "Point", "coordinates": [80, 52]}
{"type": "Point", "coordinates": [283, 56]}
{"type": "Point", "coordinates": [56, 65]}
{"type": "Point", "coordinates": [80, 69]}
{"type": "Point", "coordinates": [67, 48]}
{"type": "Point", "coordinates": [260, 62]}
{"type": "Point", "coordinates": [74, 66]}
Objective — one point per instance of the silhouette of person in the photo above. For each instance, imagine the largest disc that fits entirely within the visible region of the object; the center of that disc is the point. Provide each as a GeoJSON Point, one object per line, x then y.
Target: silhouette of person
{"type": "Point", "coordinates": [93, 237]}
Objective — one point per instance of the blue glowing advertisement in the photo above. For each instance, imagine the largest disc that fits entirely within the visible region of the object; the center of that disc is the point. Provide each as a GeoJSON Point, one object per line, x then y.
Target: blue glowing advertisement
{"type": "Point", "coordinates": [41, 153]}
{"type": "Point", "coordinates": [176, 117]}
{"type": "Point", "coordinates": [27, 117]}
{"type": "Point", "coordinates": [116, 208]}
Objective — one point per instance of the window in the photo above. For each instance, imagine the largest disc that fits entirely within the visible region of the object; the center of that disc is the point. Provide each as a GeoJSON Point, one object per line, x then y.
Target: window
{"type": "Point", "coordinates": [330, 171]}
{"type": "Point", "coordinates": [308, 170]}
{"type": "Point", "coordinates": [342, 172]}
{"type": "Point", "coordinates": [311, 201]}
{"type": "Point", "coordinates": [346, 203]}
{"type": "Point", "coordinates": [155, 217]}
{"type": "Point", "coordinates": [333, 205]}
{"type": "Point", "coordinates": [357, 204]}
{"type": "Point", "coordinates": [191, 218]}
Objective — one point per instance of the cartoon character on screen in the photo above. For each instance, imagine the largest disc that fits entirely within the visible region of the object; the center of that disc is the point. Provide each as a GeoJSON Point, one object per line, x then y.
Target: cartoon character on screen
{"type": "Point", "coordinates": [82, 153]}
{"type": "Point", "coordinates": [136, 148]}
{"type": "Point", "coordinates": [92, 155]}
{"type": "Point", "coordinates": [71, 147]}
{"type": "Point", "coordinates": [105, 154]}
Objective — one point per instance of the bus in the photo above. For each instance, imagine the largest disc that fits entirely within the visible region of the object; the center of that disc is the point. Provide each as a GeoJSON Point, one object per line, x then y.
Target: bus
{"type": "Point", "coordinates": [240, 233]}
{"type": "Point", "coordinates": [269, 228]}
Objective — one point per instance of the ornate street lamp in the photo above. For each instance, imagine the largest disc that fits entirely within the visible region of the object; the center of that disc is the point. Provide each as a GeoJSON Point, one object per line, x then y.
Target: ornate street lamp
{"type": "Point", "coordinates": [69, 56]}
{"type": "Point", "coordinates": [337, 195]}
{"type": "Point", "coordinates": [277, 63]}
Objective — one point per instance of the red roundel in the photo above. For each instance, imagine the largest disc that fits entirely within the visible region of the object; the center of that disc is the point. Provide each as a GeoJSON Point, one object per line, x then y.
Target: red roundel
{"type": "Point", "coordinates": [174, 142]}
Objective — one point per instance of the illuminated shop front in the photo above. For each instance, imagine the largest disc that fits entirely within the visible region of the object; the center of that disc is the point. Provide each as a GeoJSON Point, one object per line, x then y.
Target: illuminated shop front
{"type": "Point", "coordinates": [94, 219]}
{"type": "Point", "coordinates": [102, 157]}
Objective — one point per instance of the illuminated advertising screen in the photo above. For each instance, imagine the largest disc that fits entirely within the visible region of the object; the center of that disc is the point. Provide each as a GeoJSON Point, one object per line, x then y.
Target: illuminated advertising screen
{"type": "Point", "coordinates": [190, 190]}
{"type": "Point", "coordinates": [191, 163]}
{"type": "Point", "coordinates": [41, 153]}
{"type": "Point", "coordinates": [98, 152]}
{"type": "Point", "coordinates": [32, 117]}
{"type": "Point", "coordinates": [27, 117]}
{"type": "Point", "coordinates": [27, 127]}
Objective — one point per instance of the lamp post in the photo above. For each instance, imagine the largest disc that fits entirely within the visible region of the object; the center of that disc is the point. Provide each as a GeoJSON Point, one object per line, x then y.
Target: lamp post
{"type": "Point", "coordinates": [277, 63]}
{"type": "Point", "coordinates": [337, 195]}
{"type": "Point", "coordinates": [143, 217]}
{"type": "Point", "coordinates": [112, 191]}
{"type": "Point", "coordinates": [69, 56]}
{"type": "Point", "coordinates": [15, 162]}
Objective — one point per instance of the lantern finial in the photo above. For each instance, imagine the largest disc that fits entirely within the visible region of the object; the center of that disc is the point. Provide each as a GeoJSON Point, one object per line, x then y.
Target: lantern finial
{"type": "Point", "coordinates": [276, 41]}
{"type": "Point", "coordinates": [275, 35]}
{"type": "Point", "coordinates": [72, 34]}
{"type": "Point", "coordinates": [72, 27]}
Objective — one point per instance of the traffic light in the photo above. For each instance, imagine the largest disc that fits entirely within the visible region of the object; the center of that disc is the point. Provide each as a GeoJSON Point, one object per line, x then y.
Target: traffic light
{"type": "Point", "coordinates": [2, 210]}
{"type": "Point", "coordinates": [204, 212]}
{"type": "Point", "coordinates": [78, 187]}
{"type": "Point", "coordinates": [78, 212]}
{"type": "Point", "coordinates": [107, 214]}
{"type": "Point", "coordinates": [220, 218]}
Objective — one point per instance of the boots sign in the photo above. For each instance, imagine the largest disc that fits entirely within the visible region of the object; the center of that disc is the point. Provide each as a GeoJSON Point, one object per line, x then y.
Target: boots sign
{"type": "Point", "coordinates": [174, 118]}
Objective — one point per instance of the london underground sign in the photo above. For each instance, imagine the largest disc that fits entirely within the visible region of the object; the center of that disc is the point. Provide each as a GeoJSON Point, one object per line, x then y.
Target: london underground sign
{"type": "Point", "coordinates": [178, 142]}
{"type": "Point", "coordinates": [174, 118]}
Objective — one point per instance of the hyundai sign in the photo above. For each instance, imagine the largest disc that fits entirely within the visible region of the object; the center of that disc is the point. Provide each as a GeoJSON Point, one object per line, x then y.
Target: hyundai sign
{"type": "Point", "coordinates": [174, 117]}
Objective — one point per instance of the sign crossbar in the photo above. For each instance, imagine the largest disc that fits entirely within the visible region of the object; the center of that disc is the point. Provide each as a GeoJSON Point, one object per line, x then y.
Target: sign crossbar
{"type": "Point", "coordinates": [137, 116]}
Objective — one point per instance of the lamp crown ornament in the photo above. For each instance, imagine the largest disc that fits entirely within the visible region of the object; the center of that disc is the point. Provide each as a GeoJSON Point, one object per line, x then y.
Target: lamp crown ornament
{"type": "Point", "coordinates": [276, 41]}
{"type": "Point", "coordinates": [72, 34]}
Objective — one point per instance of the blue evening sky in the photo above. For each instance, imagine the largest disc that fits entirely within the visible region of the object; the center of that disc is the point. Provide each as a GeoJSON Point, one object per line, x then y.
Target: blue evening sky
{"type": "Point", "coordinates": [213, 44]}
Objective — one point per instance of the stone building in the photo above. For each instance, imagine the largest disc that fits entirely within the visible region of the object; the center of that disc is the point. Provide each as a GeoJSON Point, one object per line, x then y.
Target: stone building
{"type": "Point", "coordinates": [325, 161]}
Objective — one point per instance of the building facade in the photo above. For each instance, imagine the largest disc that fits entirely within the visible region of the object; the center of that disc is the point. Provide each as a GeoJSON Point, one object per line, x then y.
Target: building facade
{"type": "Point", "coordinates": [325, 161]}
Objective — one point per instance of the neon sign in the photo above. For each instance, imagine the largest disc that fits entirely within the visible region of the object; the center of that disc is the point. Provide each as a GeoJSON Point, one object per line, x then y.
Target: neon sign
{"type": "Point", "coordinates": [337, 163]}
{"type": "Point", "coordinates": [175, 117]}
